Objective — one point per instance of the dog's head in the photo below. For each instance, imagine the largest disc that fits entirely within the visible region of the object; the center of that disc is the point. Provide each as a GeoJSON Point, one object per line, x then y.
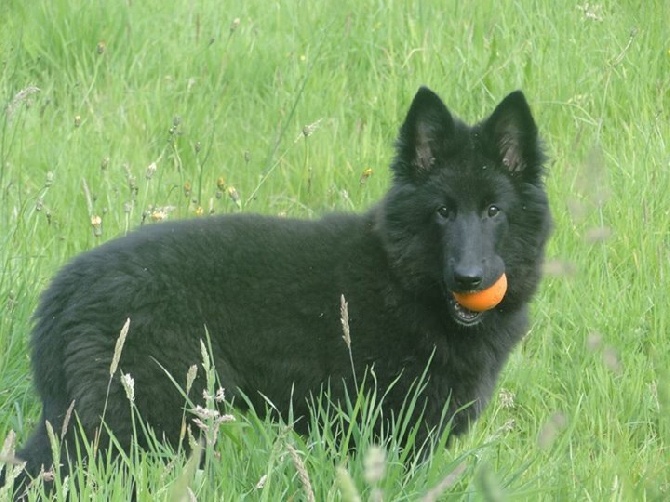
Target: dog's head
{"type": "Point", "coordinates": [467, 203]}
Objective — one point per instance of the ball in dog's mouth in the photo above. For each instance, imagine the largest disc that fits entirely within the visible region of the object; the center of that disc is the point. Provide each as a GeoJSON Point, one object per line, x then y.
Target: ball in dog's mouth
{"type": "Point", "coordinates": [486, 299]}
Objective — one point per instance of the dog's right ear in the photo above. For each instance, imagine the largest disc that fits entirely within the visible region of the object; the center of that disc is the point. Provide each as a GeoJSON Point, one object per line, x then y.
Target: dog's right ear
{"type": "Point", "coordinates": [424, 135]}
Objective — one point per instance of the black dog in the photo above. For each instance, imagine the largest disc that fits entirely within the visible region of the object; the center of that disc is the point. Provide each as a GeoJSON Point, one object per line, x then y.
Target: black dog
{"type": "Point", "coordinates": [466, 205]}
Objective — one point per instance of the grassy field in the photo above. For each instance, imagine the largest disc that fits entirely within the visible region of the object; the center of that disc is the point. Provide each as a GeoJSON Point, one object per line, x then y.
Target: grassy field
{"type": "Point", "coordinates": [115, 114]}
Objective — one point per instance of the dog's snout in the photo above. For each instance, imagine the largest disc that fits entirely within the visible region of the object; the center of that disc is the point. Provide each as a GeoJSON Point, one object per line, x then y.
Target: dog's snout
{"type": "Point", "coordinates": [468, 279]}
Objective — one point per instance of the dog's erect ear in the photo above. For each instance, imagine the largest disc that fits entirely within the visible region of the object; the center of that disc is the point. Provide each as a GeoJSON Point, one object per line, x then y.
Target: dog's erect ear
{"type": "Point", "coordinates": [511, 132]}
{"type": "Point", "coordinates": [424, 134]}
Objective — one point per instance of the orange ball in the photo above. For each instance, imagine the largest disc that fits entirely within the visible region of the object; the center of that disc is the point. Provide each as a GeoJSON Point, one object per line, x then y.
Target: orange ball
{"type": "Point", "coordinates": [479, 301]}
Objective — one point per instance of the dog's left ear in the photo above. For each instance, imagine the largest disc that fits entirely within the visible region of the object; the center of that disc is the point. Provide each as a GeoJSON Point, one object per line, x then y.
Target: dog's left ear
{"type": "Point", "coordinates": [512, 135]}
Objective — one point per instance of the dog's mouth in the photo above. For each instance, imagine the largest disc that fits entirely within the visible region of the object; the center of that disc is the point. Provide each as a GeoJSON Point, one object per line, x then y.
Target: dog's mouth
{"type": "Point", "coordinates": [463, 315]}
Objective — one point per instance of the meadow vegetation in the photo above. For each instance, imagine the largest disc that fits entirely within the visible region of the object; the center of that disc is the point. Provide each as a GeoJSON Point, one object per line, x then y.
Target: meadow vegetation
{"type": "Point", "coordinates": [119, 114]}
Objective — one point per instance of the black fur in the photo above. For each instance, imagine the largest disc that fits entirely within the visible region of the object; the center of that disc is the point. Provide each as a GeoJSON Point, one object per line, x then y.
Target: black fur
{"type": "Point", "coordinates": [466, 204]}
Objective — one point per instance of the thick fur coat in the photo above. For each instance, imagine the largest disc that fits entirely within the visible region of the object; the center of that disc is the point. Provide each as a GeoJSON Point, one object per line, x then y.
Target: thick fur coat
{"type": "Point", "coordinates": [466, 204]}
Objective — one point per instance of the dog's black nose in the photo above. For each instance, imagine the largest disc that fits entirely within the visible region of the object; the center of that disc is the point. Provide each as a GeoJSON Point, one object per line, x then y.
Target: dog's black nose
{"type": "Point", "coordinates": [468, 279]}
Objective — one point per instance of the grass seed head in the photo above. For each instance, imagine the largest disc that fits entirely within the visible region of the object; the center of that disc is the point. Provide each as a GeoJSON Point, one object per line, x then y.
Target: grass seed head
{"type": "Point", "coordinates": [120, 341]}
{"type": "Point", "coordinates": [365, 175]}
{"type": "Point", "coordinates": [234, 196]}
{"type": "Point", "coordinates": [96, 223]}
{"type": "Point", "coordinates": [190, 377]}
{"type": "Point", "coordinates": [303, 474]}
{"type": "Point", "coordinates": [21, 97]}
{"type": "Point", "coordinates": [234, 25]}
{"type": "Point", "coordinates": [128, 384]}
{"type": "Point", "coordinates": [151, 170]}
{"type": "Point", "coordinates": [261, 482]}
{"type": "Point", "coordinates": [374, 465]}
{"type": "Point", "coordinates": [551, 430]}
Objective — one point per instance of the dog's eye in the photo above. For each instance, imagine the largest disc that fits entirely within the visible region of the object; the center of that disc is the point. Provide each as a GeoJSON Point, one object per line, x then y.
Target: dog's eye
{"type": "Point", "coordinates": [444, 211]}
{"type": "Point", "coordinates": [492, 211]}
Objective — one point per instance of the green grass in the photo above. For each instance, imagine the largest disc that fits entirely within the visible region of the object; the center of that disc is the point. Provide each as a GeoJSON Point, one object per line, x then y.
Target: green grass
{"type": "Point", "coordinates": [583, 405]}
